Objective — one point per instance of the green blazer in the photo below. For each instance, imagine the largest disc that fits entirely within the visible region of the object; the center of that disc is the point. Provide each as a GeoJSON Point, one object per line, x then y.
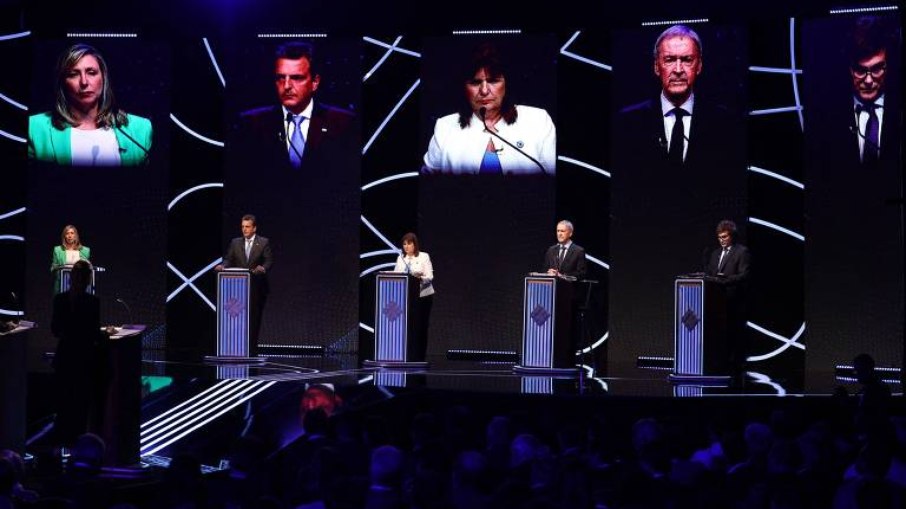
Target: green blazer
{"type": "Point", "coordinates": [59, 260]}
{"type": "Point", "coordinates": [51, 145]}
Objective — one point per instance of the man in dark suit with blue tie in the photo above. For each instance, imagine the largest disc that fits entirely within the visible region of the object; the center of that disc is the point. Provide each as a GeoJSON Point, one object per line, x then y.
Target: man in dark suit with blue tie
{"type": "Point", "coordinates": [300, 132]}
{"type": "Point", "coordinates": [253, 252]}
{"type": "Point", "coordinates": [296, 162]}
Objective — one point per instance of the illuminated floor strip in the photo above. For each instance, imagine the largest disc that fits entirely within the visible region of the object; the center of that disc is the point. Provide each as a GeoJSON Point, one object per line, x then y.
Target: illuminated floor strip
{"type": "Point", "coordinates": [199, 398]}
{"type": "Point", "coordinates": [208, 420]}
{"type": "Point", "coordinates": [162, 430]}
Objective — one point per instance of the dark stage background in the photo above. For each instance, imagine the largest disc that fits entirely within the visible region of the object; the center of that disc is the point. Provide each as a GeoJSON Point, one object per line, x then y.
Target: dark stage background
{"type": "Point", "coordinates": [195, 44]}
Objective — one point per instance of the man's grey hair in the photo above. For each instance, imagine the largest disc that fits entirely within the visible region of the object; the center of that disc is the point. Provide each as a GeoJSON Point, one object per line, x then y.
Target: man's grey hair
{"type": "Point", "coordinates": [567, 224]}
{"type": "Point", "coordinates": [678, 31]}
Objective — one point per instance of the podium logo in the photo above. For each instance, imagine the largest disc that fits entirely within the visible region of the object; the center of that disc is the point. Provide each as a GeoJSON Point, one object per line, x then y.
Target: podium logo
{"type": "Point", "coordinates": [690, 320]}
{"type": "Point", "coordinates": [234, 307]}
{"type": "Point", "coordinates": [540, 315]}
{"type": "Point", "coordinates": [392, 311]}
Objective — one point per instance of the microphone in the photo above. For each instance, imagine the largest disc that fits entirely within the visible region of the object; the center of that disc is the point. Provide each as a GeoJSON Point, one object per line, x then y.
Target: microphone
{"type": "Point", "coordinates": [481, 114]}
{"type": "Point", "coordinates": [289, 119]}
{"type": "Point", "coordinates": [403, 257]}
{"type": "Point", "coordinates": [870, 143]}
{"type": "Point", "coordinates": [137, 144]}
{"type": "Point", "coordinates": [95, 152]}
{"type": "Point", "coordinates": [128, 310]}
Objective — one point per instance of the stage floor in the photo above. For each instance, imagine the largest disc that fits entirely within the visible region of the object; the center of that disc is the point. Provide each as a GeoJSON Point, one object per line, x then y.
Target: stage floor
{"type": "Point", "coordinates": [202, 408]}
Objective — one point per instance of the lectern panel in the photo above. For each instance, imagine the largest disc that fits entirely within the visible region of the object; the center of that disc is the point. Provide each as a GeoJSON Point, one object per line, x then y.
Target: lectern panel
{"type": "Point", "coordinates": [233, 314]}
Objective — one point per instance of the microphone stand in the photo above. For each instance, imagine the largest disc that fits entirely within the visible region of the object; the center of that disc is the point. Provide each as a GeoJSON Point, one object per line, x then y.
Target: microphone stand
{"type": "Point", "coordinates": [282, 136]}
{"type": "Point", "coordinates": [481, 115]}
{"type": "Point", "coordinates": [128, 311]}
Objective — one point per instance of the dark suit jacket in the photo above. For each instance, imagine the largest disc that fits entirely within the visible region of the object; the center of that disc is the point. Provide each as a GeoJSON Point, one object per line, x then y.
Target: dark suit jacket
{"type": "Point", "coordinates": [259, 255]}
{"type": "Point", "coordinates": [77, 323]}
{"type": "Point", "coordinates": [573, 263]}
{"type": "Point", "coordinates": [734, 275]}
{"type": "Point", "coordinates": [839, 134]}
{"type": "Point", "coordinates": [735, 267]}
{"type": "Point", "coordinates": [684, 202]}
{"type": "Point", "coordinates": [331, 139]}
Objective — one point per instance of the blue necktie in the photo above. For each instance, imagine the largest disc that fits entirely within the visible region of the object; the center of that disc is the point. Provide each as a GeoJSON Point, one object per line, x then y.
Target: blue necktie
{"type": "Point", "coordinates": [872, 141]}
{"type": "Point", "coordinates": [297, 141]}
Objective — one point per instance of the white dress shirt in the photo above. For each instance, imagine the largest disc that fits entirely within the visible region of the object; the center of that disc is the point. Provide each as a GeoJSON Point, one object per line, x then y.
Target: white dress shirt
{"type": "Point", "coordinates": [459, 151]}
{"type": "Point", "coordinates": [862, 122]}
{"type": "Point", "coordinates": [670, 120]}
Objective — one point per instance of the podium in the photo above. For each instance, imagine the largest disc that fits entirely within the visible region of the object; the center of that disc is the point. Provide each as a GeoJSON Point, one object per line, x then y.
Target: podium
{"type": "Point", "coordinates": [700, 331]}
{"type": "Point", "coordinates": [234, 287]}
{"type": "Point", "coordinates": [66, 278]}
{"type": "Point", "coordinates": [122, 395]}
{"type": "Point", "coordinates": [396, 322]}
{"type": "Point", "coordinates": [13, 386]}
{"type": "Point", "coordinates": [547, 318]}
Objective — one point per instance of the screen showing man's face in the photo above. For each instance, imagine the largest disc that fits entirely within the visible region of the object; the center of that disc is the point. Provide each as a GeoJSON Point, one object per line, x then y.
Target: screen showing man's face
{"type": "Point", "coordinates": [868, 76]}
{"type": "Point", "coordinates": [678, 64]}
{"type": "Point", "coordinates": [295, 83]}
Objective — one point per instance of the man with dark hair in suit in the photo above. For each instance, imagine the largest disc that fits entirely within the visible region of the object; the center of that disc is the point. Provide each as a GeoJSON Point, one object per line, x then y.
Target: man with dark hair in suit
{"type": "Point", "coordinates": [867, 55]}
{"type": "Point", "coordinates": [300, 133]}
{"type": "Point", "coordinates": [253, 252]}
{"type": "Point", "coordinates": [729, 265]}
{"type": "Point", "coordinates": [565, 258]}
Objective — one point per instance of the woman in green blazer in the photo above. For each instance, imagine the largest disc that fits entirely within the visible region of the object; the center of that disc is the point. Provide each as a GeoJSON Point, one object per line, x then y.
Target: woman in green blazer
{"type": "Point", "coordinates": [86, 127]}
{"type": "Point", "coordinates": [67, 253]}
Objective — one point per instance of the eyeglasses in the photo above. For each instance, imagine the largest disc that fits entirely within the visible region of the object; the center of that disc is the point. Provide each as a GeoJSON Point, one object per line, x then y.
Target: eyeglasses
{"type": "Point", "coordinates": [876, 71]}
